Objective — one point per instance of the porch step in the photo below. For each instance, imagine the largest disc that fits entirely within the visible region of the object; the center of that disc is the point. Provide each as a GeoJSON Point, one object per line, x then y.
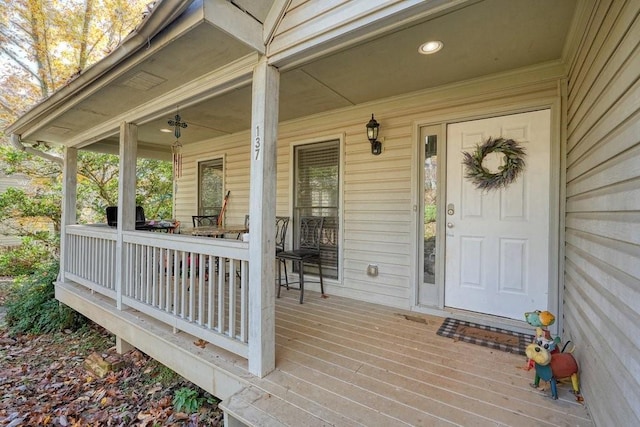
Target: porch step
{"type": "Point", "coordinates": [253, 406]}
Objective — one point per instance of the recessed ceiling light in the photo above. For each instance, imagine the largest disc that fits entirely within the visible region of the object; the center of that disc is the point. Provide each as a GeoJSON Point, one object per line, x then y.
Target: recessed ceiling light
{"type": "Point", "coordinates": [165, 130]}
{"type": "Point", "coordinates": [430, 47]}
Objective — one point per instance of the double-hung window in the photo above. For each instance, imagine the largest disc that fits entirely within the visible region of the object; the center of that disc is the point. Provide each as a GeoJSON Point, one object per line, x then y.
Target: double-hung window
{"type": "Point", "coordinates": [317, 193]}
{"type": "Point", "coordinates": [210, 186]}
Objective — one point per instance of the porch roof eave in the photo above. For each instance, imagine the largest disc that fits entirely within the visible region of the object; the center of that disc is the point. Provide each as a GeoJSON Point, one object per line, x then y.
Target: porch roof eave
{"type": "Point", "coordinates": [157, 19]}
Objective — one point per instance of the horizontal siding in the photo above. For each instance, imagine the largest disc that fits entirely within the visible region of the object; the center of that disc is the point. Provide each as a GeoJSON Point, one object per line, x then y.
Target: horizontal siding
{"type": "Point", "coordinates": [609, 177]}
{"type": "Point", "coordinates": [7, 237]}
{"type": "Point", "coordinates": [619, 196]}
{"type": "Point", "coordinates": [308, 19]}
{"type": "Point", "coordinates": [235, 150]}
{"type": "Point", "coordinates": [608, 74]}
{"type": "Point", "coordinates": [618, 255]}
{"type": "Point", "coordinates": [602, 241]}
{"type": "Point", "coordinates": [12, 181]}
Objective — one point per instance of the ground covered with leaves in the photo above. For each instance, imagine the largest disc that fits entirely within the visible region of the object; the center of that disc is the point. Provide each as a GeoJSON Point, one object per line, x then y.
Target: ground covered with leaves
{"type": "Point", "coordinates": [44, 382]}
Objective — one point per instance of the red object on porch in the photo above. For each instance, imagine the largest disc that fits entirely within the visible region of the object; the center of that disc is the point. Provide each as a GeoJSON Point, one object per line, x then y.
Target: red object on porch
{"type": "Point", "coordinates": [223, 209]}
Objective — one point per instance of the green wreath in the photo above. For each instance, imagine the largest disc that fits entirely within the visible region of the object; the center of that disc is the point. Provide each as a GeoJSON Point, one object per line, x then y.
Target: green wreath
{"type": "Point", "coordinates": [507, 173]}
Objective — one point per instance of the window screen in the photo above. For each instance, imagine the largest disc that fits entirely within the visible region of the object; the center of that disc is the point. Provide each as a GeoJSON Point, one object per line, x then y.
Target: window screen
{"type": "Point", "coordinates": [317, 193]}
{"type": "Point", "coordinates": [210, 188]}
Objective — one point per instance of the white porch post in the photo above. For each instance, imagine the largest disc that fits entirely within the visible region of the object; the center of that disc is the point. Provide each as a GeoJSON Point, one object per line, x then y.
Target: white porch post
{"type": "Point", "coordinates": [126, 198]}
{"type": "Point", "coordinates": [69, 197]}
{"type": "Point", "coordinates": [262, 209]}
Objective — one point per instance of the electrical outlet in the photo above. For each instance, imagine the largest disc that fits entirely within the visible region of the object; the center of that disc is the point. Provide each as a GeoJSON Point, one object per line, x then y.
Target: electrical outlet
{"type": "Point", "coordinates": [372, 270]}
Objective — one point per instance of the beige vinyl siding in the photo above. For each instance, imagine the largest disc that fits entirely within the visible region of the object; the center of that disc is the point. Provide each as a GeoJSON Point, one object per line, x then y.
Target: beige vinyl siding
{"type": "Point", "coordinates": [377, 210]}
{"type": "Point", "coordinates": [378, 224]}
{"type": "Point", "coordinates": [7, 182]}
{"type": "Point", "coordinates": [308, 24]}
{"type": "Point", "coordinates": [602, 244]}
{"type": "Point", "coordinates": [7, 239]}
{"type": "Point", "coordinates": [374, 191]}
{"type": "Point", "coordinates": [234, 149]}
{"type": "Point", "coordinates": [306, 19]}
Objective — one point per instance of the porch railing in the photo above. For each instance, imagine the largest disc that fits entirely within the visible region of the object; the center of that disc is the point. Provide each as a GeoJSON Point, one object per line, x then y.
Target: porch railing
{"type": "Point", "coordinates": [194, 284]}
{"type": "Point", "coordinates": [91, 258]}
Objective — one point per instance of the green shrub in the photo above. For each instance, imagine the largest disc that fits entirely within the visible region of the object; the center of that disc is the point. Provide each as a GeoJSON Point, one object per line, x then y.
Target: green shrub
{"type": "Point", "coordinates": [24, 259]}
{"type": "Point", "coordinates": [429, 213]}
{"type": "Point", "coordinates": [32, 307]}
{"type": "Point", "coordinates": [188, 400]}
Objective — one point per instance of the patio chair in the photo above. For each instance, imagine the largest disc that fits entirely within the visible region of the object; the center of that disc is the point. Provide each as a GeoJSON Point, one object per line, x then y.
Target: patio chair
{"type": "Point", "coordinates": [282, 224]}
{"type": "Point", "coordinates": [306, 252]}
{"type": "Point", "coordinates": [246, 226]}
{"type": "Point", "coordinates": [205, 220]}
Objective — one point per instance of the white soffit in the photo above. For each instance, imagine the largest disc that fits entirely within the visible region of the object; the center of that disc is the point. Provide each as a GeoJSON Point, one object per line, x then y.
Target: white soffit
{"type": "Point", "coordinates": [143, 81]}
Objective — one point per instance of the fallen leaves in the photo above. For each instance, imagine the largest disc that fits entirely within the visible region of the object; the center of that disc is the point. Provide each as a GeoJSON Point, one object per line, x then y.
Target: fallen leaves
{"type": "Point", "coordinates": [43, 382]}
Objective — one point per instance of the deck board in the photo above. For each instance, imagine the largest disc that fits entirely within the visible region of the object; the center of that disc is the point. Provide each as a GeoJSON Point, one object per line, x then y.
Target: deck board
{"type": "Point", "coordinates": [344, 362]}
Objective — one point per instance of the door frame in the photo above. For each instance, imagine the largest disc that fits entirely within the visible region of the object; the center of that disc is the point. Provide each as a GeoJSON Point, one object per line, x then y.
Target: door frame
{"type": "Point", "coordinates": [440, 213]}
{"type": "Point", "coordinates": [556, 215]}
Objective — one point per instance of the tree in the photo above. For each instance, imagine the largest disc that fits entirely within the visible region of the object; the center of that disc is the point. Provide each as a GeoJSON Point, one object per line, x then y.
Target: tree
{"type": "Point", "coordinates": [44, 44]}
{"type": "Point", "coordinates": [98, 185]}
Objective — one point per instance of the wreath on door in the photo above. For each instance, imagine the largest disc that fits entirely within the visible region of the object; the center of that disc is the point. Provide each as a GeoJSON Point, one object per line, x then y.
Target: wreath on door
{"type": "Point", "coordinates": [507, 173]}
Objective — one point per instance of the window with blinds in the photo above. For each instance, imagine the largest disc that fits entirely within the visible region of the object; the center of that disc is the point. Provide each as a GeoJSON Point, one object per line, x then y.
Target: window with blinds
{"type": "Point", "coordinates": [210, 187]}
{"type": "Point", "coordinates": [317, 193]}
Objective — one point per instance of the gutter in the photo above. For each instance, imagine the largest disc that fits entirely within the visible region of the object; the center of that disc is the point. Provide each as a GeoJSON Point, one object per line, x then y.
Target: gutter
{"type": "Point", "coordinates": [160, 16]}
{"type": "Point", "coordinates": [15, 140]}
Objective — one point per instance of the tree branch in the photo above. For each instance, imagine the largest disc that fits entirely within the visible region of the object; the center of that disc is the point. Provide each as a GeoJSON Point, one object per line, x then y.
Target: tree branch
{"type": "Point", "coordinates": [19, 62]}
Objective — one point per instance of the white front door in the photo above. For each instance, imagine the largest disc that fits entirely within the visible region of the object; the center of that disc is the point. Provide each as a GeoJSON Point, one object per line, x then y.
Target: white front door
{"type": "Point", "coordinates": [497, 241]}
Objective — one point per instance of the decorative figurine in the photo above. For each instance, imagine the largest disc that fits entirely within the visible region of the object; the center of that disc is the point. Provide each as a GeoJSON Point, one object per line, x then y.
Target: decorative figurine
{"type": "Point", "coordinates": [552, 367]}
{"type": "Point", "coordinates": [540, 319]}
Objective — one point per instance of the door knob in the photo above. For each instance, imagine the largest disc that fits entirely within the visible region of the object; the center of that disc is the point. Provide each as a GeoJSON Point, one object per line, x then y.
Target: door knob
{"type": "Point", "coordinates": [449, 225]}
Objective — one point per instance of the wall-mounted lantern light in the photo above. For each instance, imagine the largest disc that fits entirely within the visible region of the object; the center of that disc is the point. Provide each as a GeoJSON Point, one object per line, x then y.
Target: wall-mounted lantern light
{"type": "Point", "coordinates": [372, 134]}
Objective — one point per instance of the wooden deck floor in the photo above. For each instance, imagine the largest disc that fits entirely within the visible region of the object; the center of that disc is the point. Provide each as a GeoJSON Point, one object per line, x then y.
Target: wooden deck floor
{"type": "Point", "coordinates": [346, 363]}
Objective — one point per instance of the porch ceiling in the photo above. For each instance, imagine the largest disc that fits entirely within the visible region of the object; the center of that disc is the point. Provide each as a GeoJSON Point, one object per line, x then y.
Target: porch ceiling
{"type": "Point", "coordinates": [483, 38]}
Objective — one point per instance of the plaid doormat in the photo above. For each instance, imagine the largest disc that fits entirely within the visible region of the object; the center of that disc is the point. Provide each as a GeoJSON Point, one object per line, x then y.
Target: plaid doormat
{"type": "Point", "coordinates": [500, 339]}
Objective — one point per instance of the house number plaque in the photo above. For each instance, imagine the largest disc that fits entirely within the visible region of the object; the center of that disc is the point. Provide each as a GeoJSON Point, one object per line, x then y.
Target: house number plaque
{"type": "Point", "coordinates": [256, 144]}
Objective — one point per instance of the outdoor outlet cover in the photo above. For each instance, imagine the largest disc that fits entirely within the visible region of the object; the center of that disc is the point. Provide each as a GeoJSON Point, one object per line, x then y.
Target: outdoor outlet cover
{"type": "Point", "coordinates": [372, 270]}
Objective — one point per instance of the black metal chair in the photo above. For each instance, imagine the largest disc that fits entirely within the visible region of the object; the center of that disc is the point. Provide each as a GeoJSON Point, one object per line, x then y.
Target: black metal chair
{"type": "Point", "coordinates": [306, 252]}
{"type": "Point", "coordinates": [205, 220]}
{"type": "Point", "coordinates": [282, 224]}
{"type": "Point", "coordinates": [246, 226]}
